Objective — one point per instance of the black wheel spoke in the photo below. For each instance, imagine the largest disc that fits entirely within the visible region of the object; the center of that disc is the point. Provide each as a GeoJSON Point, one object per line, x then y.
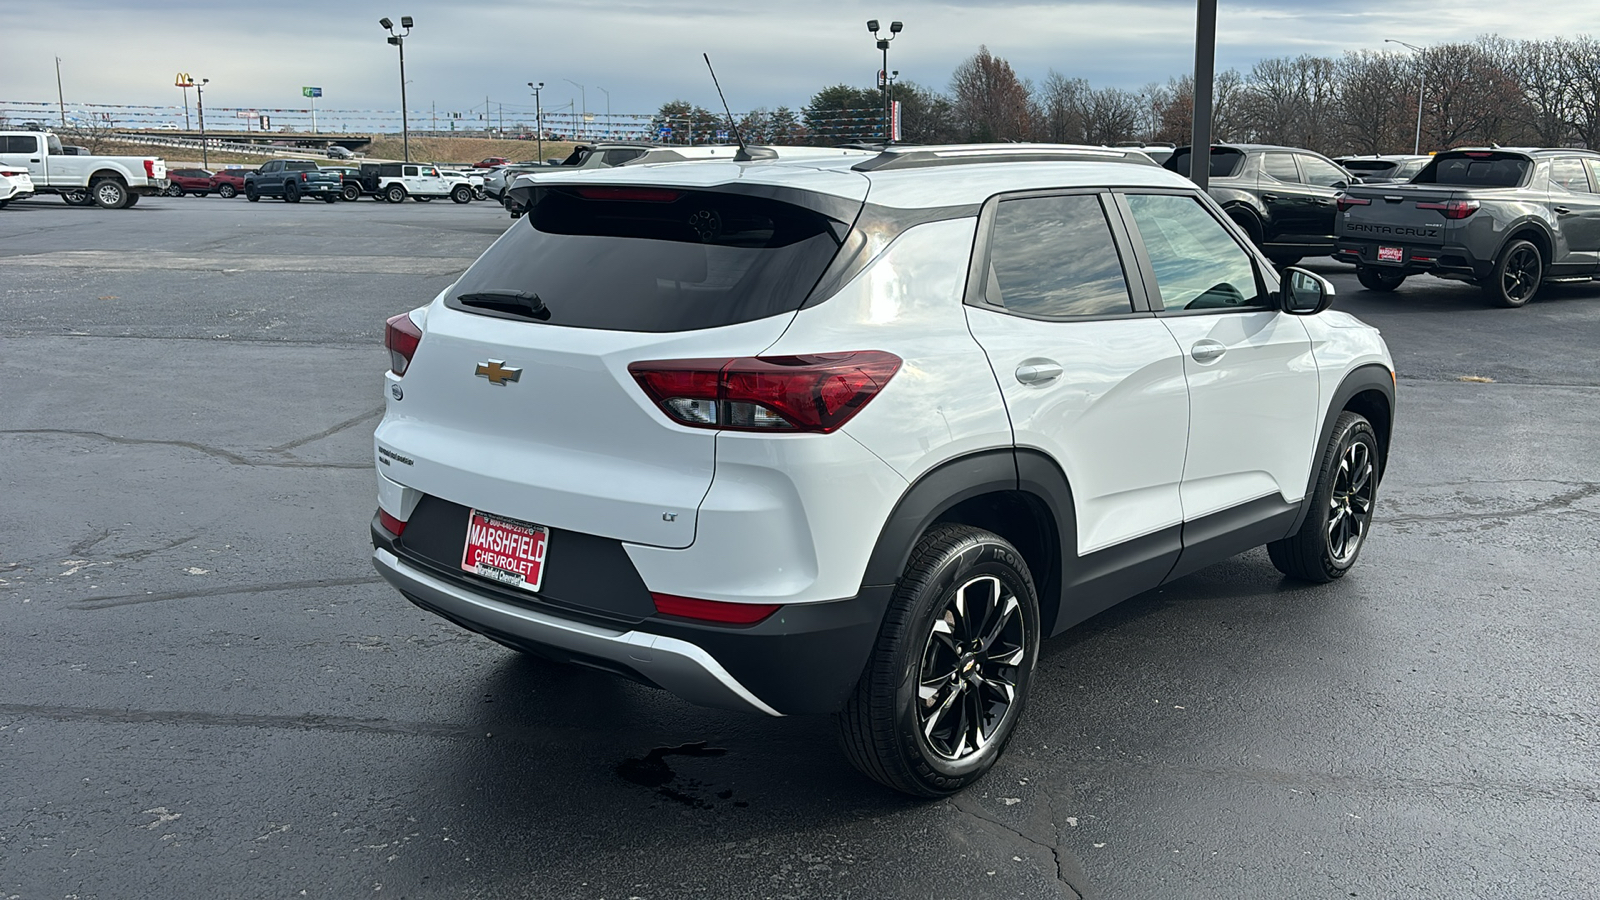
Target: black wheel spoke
{"type": "Point", "coordinates": [966, 685]}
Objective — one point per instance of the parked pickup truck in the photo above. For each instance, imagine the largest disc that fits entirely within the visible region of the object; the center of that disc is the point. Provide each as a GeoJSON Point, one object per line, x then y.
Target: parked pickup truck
{"type": "Point", "coordinates": [291, 179]}
{"type": "Point", "coordinates": [1506, 220]}
{"type": "Point", "coordinates": [113, 182]}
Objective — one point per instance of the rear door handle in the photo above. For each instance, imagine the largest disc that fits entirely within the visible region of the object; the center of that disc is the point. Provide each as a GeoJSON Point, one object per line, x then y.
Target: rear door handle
{"type": "Point", "coordinates": [1269, 196]}
{"type": "Point", "coordinates": [1038, 371]}
{"type": "Point", "coordinates": [1207, 351]}
{"type": "Point", "coordinates": [1562, 210]}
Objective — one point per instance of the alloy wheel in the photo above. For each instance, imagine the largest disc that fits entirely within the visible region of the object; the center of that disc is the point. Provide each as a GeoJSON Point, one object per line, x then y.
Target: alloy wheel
{"type": "Point", "coordinates": [967, 683]}
{"type": "Point", "coordinates": [1521, 276]}
{"type": "Point", "coordinates": [1350, 504]}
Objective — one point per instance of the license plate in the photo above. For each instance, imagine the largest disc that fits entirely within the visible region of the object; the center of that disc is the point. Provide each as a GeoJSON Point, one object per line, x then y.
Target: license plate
{"type": "Point", "coordinates": [505, 550]}
{"type": "Point", "coordinates": [1391, 254]}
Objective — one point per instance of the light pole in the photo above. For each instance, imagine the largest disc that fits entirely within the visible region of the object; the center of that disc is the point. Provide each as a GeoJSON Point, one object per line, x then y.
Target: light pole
{"type": "Point", "coordinates": [538, 120]}
{"type": "Point", "coordinates": [61, 101]}
{"type": "Point", "coordinates": [583, 93]}
{"type": "Point", "coordinates": [608, 109]}
{"type": "Point", "coordinates": [1205, 64]}
{"type": "Point", "coordinates": [399, 40]}
{"type": "Point", "coordinates": [200, 101]}
{"type": "Point", "coordinates": [1422, 74]}
{"type": "Point", "coordinates": [883, 74]}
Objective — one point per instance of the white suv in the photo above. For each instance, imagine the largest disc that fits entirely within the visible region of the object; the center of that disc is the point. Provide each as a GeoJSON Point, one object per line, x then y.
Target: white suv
{"type": "Point", "coordinates": [851, 433]}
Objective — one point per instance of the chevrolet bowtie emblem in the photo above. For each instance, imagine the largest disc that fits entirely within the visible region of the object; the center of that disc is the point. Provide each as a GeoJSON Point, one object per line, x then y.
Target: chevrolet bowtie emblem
{"type": "Point", "coordinates": [498, 372]}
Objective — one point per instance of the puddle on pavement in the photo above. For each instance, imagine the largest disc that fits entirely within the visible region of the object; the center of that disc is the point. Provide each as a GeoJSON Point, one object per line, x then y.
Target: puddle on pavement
{"type": "Point", "coordinates": [652, 771]}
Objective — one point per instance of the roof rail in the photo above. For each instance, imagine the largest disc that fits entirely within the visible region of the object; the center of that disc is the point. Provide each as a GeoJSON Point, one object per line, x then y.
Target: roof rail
{"type": "Point", "coordinates": [969, 154]}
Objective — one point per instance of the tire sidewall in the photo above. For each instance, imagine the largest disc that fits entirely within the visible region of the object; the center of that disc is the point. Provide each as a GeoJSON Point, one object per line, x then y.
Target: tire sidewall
{"type": "Point", "coordinates": [107, 188]}
{"type": "Point", "coordinates": [983, 556]}
{"type": "Point", "coordinates": [1353, 429]}
{"type": "Point", "coordinates": [1497, 289]}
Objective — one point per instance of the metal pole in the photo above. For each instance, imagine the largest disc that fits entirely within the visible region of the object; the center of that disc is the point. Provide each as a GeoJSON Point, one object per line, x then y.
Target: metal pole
{"type": "Point", "coordinates": [1205, 56]}
{"type": "Point", "coordinates": [608, 110]}
{"type": "Point", "coordinates": [200, 98]}
{"type": "Point", "coordinates": [1422, 86]}
{"type": "Point", "coordinates": [60, 98]}
{"type": "Point", "coordinates": [185, 107]}
{"type": "Point", "coordinates": [313, 114]}
{"type": "Point", "coordinates": [538, 122]}
{"type": "Point", "coordinates": [405, 126]}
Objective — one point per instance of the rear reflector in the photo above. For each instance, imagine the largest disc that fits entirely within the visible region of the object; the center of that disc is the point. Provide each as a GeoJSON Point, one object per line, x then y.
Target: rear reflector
{"type": "Point", "coordinates": [1452, 209]}
{"type": "Point", "coordinates": [718, 611]}
{"type": "Point", "coordinates": [401, 336]}
{"type": "Point", "coordinates": [390, 523]}
{"type": "Point", "coordinates": [817, 393]}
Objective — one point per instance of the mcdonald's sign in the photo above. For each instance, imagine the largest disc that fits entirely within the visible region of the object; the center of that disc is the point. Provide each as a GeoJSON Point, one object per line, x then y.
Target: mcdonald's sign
{"type": "Point", "coordinates": [184, 80]}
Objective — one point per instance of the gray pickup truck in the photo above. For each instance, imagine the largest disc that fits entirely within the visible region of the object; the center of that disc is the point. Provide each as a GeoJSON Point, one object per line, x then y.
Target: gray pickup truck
{"type": "Point", "coordinates": [292, 179]}
{"type": "Point", "coordinates": [1507, 220]}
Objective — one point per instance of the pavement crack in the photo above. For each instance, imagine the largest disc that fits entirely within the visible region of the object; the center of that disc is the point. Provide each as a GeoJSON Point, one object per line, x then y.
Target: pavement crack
{"type": "Point", "coordinates": [108, 602]}
{"type": "Point", "coordinates": [965, 805]}
{"type": "Point", "coordinates": [373, 413]}
{"type": "Point", "coordinates": [1558, 502]}
{"type": "Point", "coordinates": [227, 456]}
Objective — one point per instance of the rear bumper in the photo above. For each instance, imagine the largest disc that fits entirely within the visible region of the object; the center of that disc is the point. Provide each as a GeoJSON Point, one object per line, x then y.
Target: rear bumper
{"type": "Point", "coordinates": [671, 663]}
{"type": "Point", "coordinates": [1446, 260]}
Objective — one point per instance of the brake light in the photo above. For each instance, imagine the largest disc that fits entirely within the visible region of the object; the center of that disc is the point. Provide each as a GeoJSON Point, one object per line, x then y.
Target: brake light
{"type": "Point", "coordinates": [1345, 203]}
{"type": "Point", "coordinates": [390, 523]}
{"type": "Point", "coordinates": [401, 336]}
{"type": "Point", "coordinates": [817, 393]}
{"type": "Point", "coordinates": [648, 195]}
{"type": "Point", "coordinates": [1452, 209]}
{"type": "Point", "coordinates": [305, 176]}
{"type": "Point", "coordinates": [719, 611]}
{"type": "Point", "coordinates": [150, 168]}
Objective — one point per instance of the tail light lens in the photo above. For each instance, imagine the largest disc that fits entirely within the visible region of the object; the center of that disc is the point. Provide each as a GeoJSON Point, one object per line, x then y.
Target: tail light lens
{"type": "Point", "coordinates": [305, 176]}
{"type": "Point", "coordinates": [401, 336]}
{"type": "Point", "coordinates": [390, 523]}
{"type": "Point", "coordinates": [1452, 209]}
{"type": "Point", "coordinates": [149, 168]}
{"type": "Point", "coordinates": [1347, 203]}
{"type": "Point", "coordinates": [718, 611]}
{"type": "Point", "coordinates": [818, 393]}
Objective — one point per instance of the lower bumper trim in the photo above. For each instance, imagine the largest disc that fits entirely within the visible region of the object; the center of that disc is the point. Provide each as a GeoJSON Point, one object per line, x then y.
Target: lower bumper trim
{"type": "Point", "coordinates": [675, 665]}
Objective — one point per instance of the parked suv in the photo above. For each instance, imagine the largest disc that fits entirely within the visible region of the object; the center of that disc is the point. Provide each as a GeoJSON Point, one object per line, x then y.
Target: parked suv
{"type": "Point", "coordinates": [1283, 197]}
{"type": "Point", "coordinates": [1506, 220]}
{"type": "Point", "coordinates": [188, 181]}
{"type": "Point", "coordinates": [229, 183]}
{"type": "Point", "coordinates": [851, 433]}
{"type": "Point", "coordinates": [1383, 169]}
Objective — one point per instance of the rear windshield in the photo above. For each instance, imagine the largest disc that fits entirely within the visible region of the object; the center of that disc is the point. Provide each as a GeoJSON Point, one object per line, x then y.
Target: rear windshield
{"type": "Point", "coordinates": [1224, 162]}
{"type": "Point", "coordinates": [656, 260]}
{"type": "Point", "coordinates": [1478, 168]}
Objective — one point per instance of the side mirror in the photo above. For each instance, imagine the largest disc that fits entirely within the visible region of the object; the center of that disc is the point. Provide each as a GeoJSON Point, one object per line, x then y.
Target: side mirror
{"type": "Point", "coordinates": [1305, 293]}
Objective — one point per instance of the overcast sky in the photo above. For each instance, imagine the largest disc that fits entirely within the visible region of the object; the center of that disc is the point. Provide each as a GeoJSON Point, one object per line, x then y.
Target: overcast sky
{"type": "Point", "coordinates": [648, 51]}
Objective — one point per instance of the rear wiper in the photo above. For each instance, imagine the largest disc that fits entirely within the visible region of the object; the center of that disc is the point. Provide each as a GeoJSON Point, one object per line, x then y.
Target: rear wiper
{"type": "Point", "coordinates": [519, 303]}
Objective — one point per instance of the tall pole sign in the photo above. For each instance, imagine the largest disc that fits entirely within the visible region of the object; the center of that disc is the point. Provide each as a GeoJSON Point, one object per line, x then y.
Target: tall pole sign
{"type": "Point", "coordinates": [313, 93]}
{"type": "Point", "coordinates": [184, 81]}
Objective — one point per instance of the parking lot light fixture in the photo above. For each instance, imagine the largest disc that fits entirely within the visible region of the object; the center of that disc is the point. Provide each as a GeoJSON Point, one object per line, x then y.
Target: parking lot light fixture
{"type": "Point", "coordinates": [1422, 74]}
{"type": "Point", "coordinates": [883, 74]}
{"type": "Point", "coordinates": [583, 94]}
{"type": "Point", "coordinates": [398, 39]}
{"type": "Point", "coordinates": [200, 103]}
{"type": "Point", "coordinates": [538, 120]}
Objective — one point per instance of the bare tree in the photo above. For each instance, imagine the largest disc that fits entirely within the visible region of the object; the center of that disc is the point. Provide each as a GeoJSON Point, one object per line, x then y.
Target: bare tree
{"type": "Point", "coordinates": [1062, 109]}
{"type": "Point", "coordinates": [1377, 103]}
{"type": "Point", "coordinates": [991, 103]}
{"type": "Point", "coordinates": [1543, 71]}
{"type": "Point", "coordinates": [94, 132]}
{"type": "Point", "coordinates": [1583, 71]}
{"type": "Point", "coordinates": [1113, 116]}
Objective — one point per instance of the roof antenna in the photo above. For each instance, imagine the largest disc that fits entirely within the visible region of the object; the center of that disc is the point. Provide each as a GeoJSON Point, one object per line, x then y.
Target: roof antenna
{"type": "Point", "coordinates": [744, 153]}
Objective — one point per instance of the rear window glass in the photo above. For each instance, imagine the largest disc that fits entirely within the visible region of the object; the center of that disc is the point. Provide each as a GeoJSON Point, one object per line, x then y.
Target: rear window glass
{"type": "Point", "coordinates": [1475, 169]}
{"type": "Point", "coordinates": [656, 260]}
{"type": "Point", "coordinates": [1224, 162]}
{"type": "Point", "coordinates": [1368, 165]}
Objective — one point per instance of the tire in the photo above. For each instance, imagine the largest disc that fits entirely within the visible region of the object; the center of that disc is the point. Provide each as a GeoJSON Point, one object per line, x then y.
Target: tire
{"type": "Point", "coordinates": [423, 199]}
{"type": "Point", "coordinates": [4, 202]}
{"type": "Point", "coordinates": [227, 192]}
{"type": "Point", "coordinates": [250, 193]}
{"type": "Point", "coordinates": [909, 724]}
{"type": "Point", "coordinates": [172, 190]}
{"type": "Point", "coordinates": [461, 194]}
{"type": "Point", "coordinates": [350, 192]}
{"type": "Point", "coordinates": [203, 194]}
{"type": "Point", "coordinates": [133, 200]}
{"type": "Point", "coordinates": [395, 194]}
{"type": "Point", "coordinates": [1516, 275]}
{"type": "Point", "coordinates": [1330, 539]}
{"type": "Point", "coordinates": [1284, 262]}
{"type": "Point", "coordinates": [1380, 280]}
{"type": "Point", "coordinates": [478, 194]}
{"type": "Point", "coordinates": [77, 198]}
{"type": "Point", "coordinates": [291, 192]}
{"type": "Point", "coordinates": [109, 193]}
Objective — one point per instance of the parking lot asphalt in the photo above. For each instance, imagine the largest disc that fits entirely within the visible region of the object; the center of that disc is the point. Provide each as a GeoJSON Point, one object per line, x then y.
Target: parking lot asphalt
{"type": "Point", "coordinates": [205, 691]}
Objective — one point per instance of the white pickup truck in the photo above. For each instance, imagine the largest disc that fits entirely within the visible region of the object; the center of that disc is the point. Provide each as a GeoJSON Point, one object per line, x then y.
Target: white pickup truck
{"type": "Point", "coordinates": [113, 182]}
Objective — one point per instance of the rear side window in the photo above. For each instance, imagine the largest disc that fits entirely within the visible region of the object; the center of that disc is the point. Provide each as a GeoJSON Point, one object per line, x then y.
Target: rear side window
{"type": "Point", "coordinates": [1225, 162]}
{"type": "Point", "coordinates": [1569, 174]}
{"type": "Point", "coordinates": [20, 143]}
{"type": "Point", "coordinates": [1480, 168]}
{"type": "Point", "coordinates": [654, 259]}
{"type": "Point", "coordinates": [1280, 166]}
{"type": "Point", "coordinates": [1053, 257]}
{"type": "Point", "coordinates": [1316, 170]}
{"type": "Point", "coordinates": [299, 166]}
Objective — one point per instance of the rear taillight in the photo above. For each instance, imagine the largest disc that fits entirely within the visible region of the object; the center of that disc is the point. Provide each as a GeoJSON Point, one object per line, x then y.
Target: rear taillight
{"type": "Point", "coordinates": [1452, 209]}
{"type": "Point", "coordinates": [719, 611]}
{"type": "Point", "coordinates": [818, 393]}
{"type": "Point", "coordinates": [390, 523]}
{"type": "Point", "coordinates": [401, 336]}
{"type": "Point", "coordinates": [150, 168]}
{"type": "Point", "coordinates": [305, 176]}
{"type": "Point", "coordinates": [1346, 203]}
